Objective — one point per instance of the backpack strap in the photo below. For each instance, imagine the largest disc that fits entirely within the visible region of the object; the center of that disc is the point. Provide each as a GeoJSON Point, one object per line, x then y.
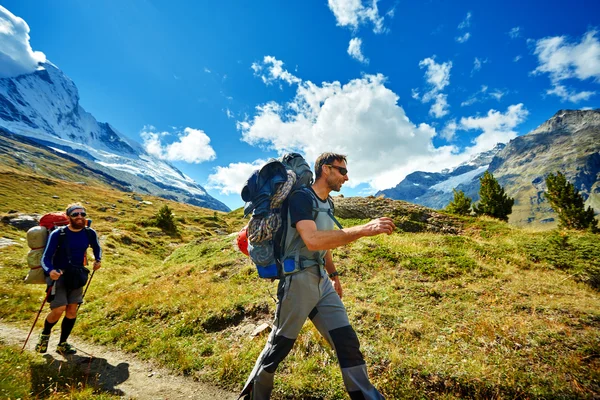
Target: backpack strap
{"type": "Point", "coordinates": [63, 242]}
{"type": "Point", "coordinates": [329, 211]}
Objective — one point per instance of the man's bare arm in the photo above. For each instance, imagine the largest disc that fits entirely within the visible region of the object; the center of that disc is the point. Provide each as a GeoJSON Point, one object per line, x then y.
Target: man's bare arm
{"type": "Point", "coordinates": [326, 240]}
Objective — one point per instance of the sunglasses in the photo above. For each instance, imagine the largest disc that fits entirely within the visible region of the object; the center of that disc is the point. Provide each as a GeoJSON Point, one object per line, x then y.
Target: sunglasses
{"type": "Point", "coordinates": [342, 170]}
{"type": "Point", "coordinates": [77, 214]}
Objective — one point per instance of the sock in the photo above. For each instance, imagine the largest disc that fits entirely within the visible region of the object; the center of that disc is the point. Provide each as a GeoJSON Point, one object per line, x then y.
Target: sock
{"type": "Point", "coordinates": [48, 327]}
{"type": "Point", "coordinates": [65, 328]}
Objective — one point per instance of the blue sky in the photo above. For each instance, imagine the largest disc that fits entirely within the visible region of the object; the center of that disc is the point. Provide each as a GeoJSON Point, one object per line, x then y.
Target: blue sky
{"type": "Point", "coordinates": [217, 88]}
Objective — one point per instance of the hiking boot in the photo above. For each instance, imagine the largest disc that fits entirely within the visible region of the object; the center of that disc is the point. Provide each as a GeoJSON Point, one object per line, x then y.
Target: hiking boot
{"type": "Point", "coordinates": [42, 345]}
{"type": "Point", "coordinates": [65, 349]}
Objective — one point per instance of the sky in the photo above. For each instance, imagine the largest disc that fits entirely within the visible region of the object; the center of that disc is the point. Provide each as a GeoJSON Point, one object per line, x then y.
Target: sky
{"type": "Point", "coordinates": [218, 88]}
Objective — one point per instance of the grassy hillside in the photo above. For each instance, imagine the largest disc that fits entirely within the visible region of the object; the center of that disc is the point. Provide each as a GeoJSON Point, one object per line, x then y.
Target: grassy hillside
{"type": "Point", "coordinates": [496, 312]}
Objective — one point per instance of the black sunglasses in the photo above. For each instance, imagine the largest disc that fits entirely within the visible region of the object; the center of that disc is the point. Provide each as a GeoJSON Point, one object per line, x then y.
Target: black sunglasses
{"type": "Point", "coordinates": [77, 214]}
{"type": "Point", "coordinates": [342, 170]}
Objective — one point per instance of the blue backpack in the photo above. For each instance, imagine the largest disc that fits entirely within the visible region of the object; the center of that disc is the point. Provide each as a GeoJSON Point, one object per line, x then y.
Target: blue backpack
{"type": "Point", "coordinates": [265, 193]}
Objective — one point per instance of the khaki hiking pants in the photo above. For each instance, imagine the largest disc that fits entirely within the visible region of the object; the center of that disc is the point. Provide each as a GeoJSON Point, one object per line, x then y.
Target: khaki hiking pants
{"type": "Point", "coordinates": [309, 293]}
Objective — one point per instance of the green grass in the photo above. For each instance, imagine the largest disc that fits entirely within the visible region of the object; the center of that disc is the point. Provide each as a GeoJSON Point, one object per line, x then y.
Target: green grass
{"type": "Point", "coordinates": [497, 312]}
{"type": "Point", "coordinates": [24, 376]}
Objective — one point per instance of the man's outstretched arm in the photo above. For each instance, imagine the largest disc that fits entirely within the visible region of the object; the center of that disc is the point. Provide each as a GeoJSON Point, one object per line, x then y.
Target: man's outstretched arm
{"type": "Point", "coordinates": [326, 240]}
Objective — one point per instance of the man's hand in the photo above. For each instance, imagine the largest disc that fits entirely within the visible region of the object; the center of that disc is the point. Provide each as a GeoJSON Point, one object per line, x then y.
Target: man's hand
{"type": "Point", "coordinates": [337, 286]}
{"type": "Point", "coordinates": [97, 265]}
{"type": "Point", "coordinates": [379, 226]}
{"type": "Point", "coordinates": [55, 274]}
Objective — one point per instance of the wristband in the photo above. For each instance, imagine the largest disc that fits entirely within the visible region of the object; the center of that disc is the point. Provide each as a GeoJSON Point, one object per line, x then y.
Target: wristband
{"type": "Point", "coordinates": [333, 274]}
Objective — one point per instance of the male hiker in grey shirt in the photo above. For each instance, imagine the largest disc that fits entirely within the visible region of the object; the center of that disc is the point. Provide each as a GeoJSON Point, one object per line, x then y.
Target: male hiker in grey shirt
{"type": "Point", "coordinates": [315, 290]}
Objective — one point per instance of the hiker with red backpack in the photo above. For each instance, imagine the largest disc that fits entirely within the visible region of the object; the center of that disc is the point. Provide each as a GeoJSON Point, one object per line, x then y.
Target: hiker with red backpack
{"type": "Point", "coordinates": [309, 285]}
{"type": "Point", "coordinates": [63, 264]}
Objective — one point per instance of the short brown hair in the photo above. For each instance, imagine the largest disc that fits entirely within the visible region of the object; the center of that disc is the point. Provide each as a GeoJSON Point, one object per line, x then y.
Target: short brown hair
{"type": "Point", "coordinates": [327, 158]}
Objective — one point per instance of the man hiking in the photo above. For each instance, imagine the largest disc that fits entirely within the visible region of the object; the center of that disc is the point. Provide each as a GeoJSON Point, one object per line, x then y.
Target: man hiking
{"type": "Point", "coordinates": [63, 263]}
{"type": "Point", "coordinates": [315, 290]}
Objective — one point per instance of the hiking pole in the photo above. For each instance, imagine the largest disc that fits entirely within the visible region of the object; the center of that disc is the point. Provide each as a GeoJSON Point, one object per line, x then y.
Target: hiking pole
{"type": "Point", "coordinates": [86, 288]}
{"type": "Point", "coordinates": [38, 314]}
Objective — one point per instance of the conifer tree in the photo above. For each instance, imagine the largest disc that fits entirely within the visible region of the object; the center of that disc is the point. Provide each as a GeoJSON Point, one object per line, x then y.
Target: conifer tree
{"type": "Point", "coordinates": [492, 199]}
{"type": "Point", "coordinates": [568, 203]}
{"type": "Point", "coordinates": [165, 219]}
{"type": "Point", "coordinates": [461, 204]}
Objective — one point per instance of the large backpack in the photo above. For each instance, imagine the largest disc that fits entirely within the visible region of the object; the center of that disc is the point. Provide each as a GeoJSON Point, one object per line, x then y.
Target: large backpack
{"type": "Point", "coordinates": [37, 239]}
{"type": "Point", "coordinates": [265, 194]}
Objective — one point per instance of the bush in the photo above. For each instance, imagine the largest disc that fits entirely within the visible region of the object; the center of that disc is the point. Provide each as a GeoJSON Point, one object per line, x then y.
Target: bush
{"type": "Point", "coordinates": [493, 201]}
{"type": "Point", "coordinates": [461, 204]}
{"type": "Point", "coordinates": [568, 203]}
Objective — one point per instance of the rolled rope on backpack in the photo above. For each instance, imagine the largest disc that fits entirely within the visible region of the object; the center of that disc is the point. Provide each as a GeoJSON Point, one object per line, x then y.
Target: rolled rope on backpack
{"type": "Point", "coordinates": [261, 229]}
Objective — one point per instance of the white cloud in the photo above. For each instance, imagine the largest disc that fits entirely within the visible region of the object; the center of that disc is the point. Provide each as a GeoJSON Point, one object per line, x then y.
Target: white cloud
{"type": "Point", "coordinates": [437, 77]}
{"type": "Point", "coordinates": [231, 179]}
{"type": "Point", "coordinates": [440, 106]}
{"type": "Point", "coordinates": [463, 38]}
{"type": "Point", "coordinates": [449, 130]}
{"type": "Point", "coordinates": [562, 60]}
{"type": "Point", "coordinates": [352, 13]}
{"type": "Point", "coordinates": [515, 32]}
{"type": "Point", "coordinates": [466, 23]}
{"type": "Point", "coordinates": [355, 51]}
{"type": "Point", "coordinates": [16, 55]}
{"type": "Point", "coordinates": [274, 71]}
{"type": "Point", "coordinates": [496, 127]}
{"type": "Point", "coordinates": [569, 95]}
{"type": "Point", "coordinates": [229, 113]}
{"type": "Point", "coordinates": [193, 145]}
{"type": "Point", "coordinates": [363, 119]}
{"type": "Point", "coordinates": [482, 95]}
{"type": "Point", "coordinates": [517, 58]}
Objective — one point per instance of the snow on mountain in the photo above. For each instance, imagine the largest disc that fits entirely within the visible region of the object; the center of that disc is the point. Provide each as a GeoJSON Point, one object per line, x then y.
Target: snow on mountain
{"type": "Point", "coordinates": [451, 183]}
{"type": "Point", "coordinates": [434, 189]}
{"type": "Point", "coordinates": [44, 105]}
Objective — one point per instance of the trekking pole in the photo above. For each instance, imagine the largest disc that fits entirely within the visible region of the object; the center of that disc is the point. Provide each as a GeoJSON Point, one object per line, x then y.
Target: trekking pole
{"type": "Point", "coordinates": [86, 288]}
{"type": "Point", "coordinates": [38, 314]}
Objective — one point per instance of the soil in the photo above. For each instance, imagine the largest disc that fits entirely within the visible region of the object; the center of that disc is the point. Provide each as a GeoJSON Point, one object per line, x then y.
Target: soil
{"type": "Point", "coordinates": [117, 372]}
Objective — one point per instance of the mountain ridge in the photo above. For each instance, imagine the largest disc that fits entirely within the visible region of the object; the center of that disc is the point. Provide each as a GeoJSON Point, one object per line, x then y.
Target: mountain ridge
{"type": "Point", "coordinates": [569, 142]}
{"type": "Point", "coordinates": [44, 106]}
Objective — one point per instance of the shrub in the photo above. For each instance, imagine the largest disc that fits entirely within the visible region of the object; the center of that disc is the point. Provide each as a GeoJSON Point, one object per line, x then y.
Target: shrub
{"type": "Point", "coordinates": [461, 204]}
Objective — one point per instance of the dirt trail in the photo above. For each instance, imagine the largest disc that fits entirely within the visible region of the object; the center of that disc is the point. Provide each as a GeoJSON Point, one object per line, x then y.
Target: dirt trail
{"type": "Point", "coordinates": [118, 372]}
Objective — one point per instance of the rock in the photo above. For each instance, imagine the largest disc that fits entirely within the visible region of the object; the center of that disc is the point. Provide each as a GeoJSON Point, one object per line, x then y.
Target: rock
{"type": "Point", "coordinates": [55, 197]}
{"type": "Point", "coordinates": [137, 198]}
{"type": "Point", "coordinates": [260, 329]}
{"type": "Point", "coordinates": [102, 209]}
{"type": "Point", "coordinates": [407, 217]}
{"type": "Point", "coordinates": [147, 202]}
{"type": "Point", "coordinates": [120, 201]}
{"type": "Point", "coordinates": [22, 222]}
{"type": "Point", "coordinates": [111, 219]}
{"type": "Point", "coordinates": [12, 212]}
{"type": "Point", "coordinates": [4, 242]}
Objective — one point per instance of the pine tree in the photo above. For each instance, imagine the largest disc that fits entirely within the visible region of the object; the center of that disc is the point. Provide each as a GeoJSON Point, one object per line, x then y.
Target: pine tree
{"type": "Point", "coordinates": [492, 199]}
{"type": "Point", "coordinates": [568, 203]}
{"type": "Point", "coordinates": [461, 204]}
{"type": "Point", "coordinates": [165, 219]}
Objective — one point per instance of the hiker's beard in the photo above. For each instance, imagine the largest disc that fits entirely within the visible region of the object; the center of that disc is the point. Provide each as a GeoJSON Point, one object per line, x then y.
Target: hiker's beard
{"type": "Point", "coordinates": [77, 223]}
{"type": "Point", "coordinates": [334, 184]}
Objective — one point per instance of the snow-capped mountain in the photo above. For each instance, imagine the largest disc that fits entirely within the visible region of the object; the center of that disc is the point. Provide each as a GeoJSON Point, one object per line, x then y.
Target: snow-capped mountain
{"type": "Point", "coordinates": [568, 142]}
{"type": "Point", "coordinates": [434, 189]}
{"type": "Point", "coordinates": [44, 106]}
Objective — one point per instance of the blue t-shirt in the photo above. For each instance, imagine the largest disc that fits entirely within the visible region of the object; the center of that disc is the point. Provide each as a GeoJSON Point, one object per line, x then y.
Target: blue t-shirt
{"type": "Point", "coordinates": [77, 242]}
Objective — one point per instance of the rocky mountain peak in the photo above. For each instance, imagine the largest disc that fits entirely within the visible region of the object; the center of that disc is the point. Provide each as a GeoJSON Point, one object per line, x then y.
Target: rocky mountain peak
{"type": "Point", "coordinates": [569, 120]}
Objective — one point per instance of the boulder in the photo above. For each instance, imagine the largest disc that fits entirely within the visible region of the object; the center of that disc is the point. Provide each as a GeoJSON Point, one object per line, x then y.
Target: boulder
{"type": "Point", "coordinates": [22, 222]}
